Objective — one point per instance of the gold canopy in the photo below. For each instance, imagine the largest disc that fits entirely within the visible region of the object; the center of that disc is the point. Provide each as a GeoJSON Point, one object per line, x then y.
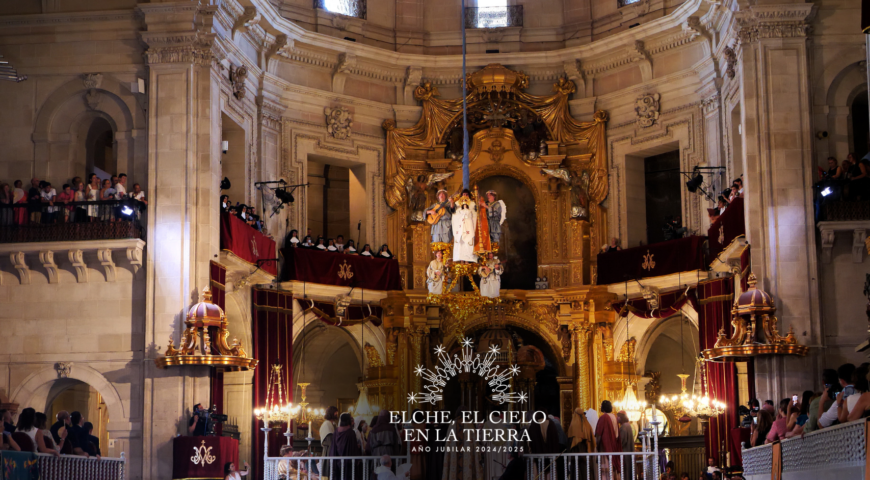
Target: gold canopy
{"type": "Point", "coordinates": [196, 341]}
{"type": "Point", "coordinates": [755, 331]}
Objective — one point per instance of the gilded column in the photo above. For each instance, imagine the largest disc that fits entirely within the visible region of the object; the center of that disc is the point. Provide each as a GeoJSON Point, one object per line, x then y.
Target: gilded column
{"type": "Point", "coordinates": [581, 366]}
{"type": "Point", "coordinates": [417, 356]}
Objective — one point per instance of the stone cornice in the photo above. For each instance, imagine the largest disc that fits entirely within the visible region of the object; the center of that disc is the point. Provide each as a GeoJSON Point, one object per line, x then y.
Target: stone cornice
{"type": "Point", "coordinates": [774, 21]}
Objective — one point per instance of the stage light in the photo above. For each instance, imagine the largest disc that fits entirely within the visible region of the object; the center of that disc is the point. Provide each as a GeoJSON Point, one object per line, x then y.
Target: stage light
{"type": "Point", "coordinates": [695, 182]}
{"type": "Point", "coordinates": [126, 210]}
{"type": "Point", "coordinates": [225, 184]}
{"type": "Point", "coordinates": [284, 196]}
{"type": "Point", "coordinates": [827, 191]}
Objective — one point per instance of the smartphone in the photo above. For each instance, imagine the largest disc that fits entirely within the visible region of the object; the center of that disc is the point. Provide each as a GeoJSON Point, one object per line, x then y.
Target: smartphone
{"type": "Point", "coordinates": [794, 399]}
{"type": "Point", "coordinates": [755, 420]}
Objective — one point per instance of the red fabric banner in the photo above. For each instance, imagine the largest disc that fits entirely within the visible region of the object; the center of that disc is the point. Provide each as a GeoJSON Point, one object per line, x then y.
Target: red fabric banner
{"type": "Point", "coordinates": [713, 305]}
{"type": "Point", "coordinates": [726, 228]}
{"type": "Point", "coordinates": [665, 258]}
{"type": "Point", "coordinates": [669, 304]}
{"type": "Point", "coordinates": [273, 344]}
{"type": "Point", "coordinates": [184, 449]}
{"type": "Point", "coordinates": [247, 243]}
{"type": "Point", "coordinates": [332, 268]}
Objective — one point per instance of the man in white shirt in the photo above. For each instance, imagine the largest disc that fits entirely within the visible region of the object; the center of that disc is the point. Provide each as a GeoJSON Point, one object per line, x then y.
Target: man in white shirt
{"type": "Point", "coordinates": [845, 375]}
{"type": "Point", "coordinates": [48, 195]}
{"type": "Point", "coordinates": [121, 187]}
{"type": "Point", "coordinates": [339, 243]}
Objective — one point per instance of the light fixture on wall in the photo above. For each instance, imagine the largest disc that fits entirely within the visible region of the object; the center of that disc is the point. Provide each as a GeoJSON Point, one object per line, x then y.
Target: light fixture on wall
{"type": "Point", "coordinates": [822, 134]}
{"type": "Point", "coordinates": [225, 184]}
{"type": "Point", "coordinates": [225, 146]}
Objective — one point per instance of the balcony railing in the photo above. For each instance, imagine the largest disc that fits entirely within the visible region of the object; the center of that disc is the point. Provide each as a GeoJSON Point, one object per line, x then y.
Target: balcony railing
{"type": "Point", "coordinates": [71, 467]}
{"type": "Point", "coordinates": [494, 17]}
{"type": "Point", "coordinates": [105, 220]}
{"type": "Point", "coordinates": [834, 452]}
{"type": "Point", "coordinates": [350, 8]}
{"type": "Point", "coordinates": [64, 467]}
{"type": "Point", "coordinates": [336, 468]}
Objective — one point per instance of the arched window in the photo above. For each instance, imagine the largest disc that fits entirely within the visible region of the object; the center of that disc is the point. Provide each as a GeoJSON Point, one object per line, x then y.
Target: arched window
{"type": "Point", "coordinates": [351, 8]}
{"type": "Point", "coordinates": [491, 14]}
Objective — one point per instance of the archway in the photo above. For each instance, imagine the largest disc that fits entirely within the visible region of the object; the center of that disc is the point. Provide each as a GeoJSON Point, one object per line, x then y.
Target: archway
{"type": "Point", "coordinates": [546, 396]}
{"type": "Point", "coordinates": [328, 358]}
{"type": "Point", "coordinates": [77, 396]}
{"type": "Point", "coordinates": [519, 246]}
{"type": "Point", "coordinates": [858, 110]}
{"type": "Point", "coordinates": [100, 156]}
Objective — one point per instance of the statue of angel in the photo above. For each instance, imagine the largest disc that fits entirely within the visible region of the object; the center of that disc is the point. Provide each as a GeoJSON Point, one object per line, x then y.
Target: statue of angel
{"type": "Point", "coordinates": [579, 188]}
{"type": "Point", "coordinates": [418, 194]}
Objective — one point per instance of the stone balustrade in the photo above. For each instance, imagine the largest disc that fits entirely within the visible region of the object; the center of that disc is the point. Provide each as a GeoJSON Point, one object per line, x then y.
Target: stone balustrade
{"type": "Point", "coordinates": [838, 452]}
{"type": "Point", "coordinates": [79, 256]}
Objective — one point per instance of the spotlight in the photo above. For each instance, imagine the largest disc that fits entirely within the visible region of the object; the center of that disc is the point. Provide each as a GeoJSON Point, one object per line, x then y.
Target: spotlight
{"type": "Point", "coordinates": [225, 184]}
{"type": "Point", "coordinates": [827, 191]}
{"type": "Point", "coordinates": [695, 182]}
{"type": "Point", "coordinates": [284, 196]}
{"type": "Point", "coordinates": [126, 209]}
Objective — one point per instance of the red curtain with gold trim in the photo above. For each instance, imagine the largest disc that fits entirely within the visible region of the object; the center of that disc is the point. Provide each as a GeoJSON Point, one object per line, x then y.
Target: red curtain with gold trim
{"type": "Point", "coordinates": [719, 380]}
{"type": "Point", "coordinates": [273, 343]}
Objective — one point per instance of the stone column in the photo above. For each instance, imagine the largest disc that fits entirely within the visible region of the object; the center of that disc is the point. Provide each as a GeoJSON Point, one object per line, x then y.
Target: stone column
{"type": "Point", "coordinates": [183, 230]}
{"type": "Point", "coordinates": [778, 178]}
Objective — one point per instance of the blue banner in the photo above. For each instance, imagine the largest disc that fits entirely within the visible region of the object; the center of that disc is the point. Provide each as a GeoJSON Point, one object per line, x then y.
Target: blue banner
{"type": "Point", "coordinates": [19, 465]}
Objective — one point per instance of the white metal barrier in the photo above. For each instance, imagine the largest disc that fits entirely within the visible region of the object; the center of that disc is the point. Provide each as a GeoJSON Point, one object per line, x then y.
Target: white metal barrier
{"type": "Point", "coordinates": [838, 452]}
{"type": "Point", "coordinates": [339, 468]}
{"type": "Point", "coordinates": [73, 467]}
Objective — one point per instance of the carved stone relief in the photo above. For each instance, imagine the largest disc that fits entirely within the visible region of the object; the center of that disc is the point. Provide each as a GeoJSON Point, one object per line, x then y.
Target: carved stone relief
{"type": "Point", "coordinates": [339, 121]}
{"type": "Point", "coordinates": [647, 108]}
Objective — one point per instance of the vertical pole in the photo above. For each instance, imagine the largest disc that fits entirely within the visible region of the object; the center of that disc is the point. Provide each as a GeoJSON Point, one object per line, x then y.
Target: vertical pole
{"type": "Point", "coordinates": [266, 431]}
{"type": "Point", "coordinates": [465, 159]}
{"type": "Point", "coordinates": [655, 432]}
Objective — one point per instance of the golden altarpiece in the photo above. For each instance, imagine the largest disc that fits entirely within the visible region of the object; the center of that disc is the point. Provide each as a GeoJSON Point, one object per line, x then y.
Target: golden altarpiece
{"type": "Point", "coordinates": [563, 163]}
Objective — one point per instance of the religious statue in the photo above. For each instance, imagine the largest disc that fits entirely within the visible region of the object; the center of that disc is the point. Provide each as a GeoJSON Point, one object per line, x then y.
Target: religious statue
{"type": "Point", "coordinates": [496, 212]}
{"type": "Point", "coordinates": [464, 224]}
{"type": "Point", "coordinates": [418, 194]}
{"type": "Point", "coordinates": [578, 186]}
{"type": "Point", "coordinates": [440, 215]}
{"type": "Point", "coordinates": [435, 274]}
{"type": "Point", "coordinates": [490, 277]}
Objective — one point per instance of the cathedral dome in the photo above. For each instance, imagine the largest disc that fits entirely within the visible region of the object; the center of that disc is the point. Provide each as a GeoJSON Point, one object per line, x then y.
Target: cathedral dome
{"type": "Point", "coordinates": [754, 300]}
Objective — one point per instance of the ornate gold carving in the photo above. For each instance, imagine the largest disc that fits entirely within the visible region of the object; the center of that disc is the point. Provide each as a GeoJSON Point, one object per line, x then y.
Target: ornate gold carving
{"type": "Point", "coordinates": [648, 262]}
{"type": "Point", "coordinates": [344, 272]}
{"type": "Point", "coordinates": [373, 356]}
{"type": "Point", "coordinates": [626, 353]}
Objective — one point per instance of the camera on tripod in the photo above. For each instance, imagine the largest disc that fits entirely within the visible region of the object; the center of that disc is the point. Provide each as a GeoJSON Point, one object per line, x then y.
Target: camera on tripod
{"type": "Point", "coordinates": [212, 418]}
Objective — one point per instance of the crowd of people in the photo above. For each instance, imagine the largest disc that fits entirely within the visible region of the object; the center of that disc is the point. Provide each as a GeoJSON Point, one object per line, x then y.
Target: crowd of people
{"type": "Point", "coordinates": [336, 245]}
{"type": "Point", "coordinates": [69, 435]}
{"type": "Point", "coordinates": [843, 397]}
{"type": "Point", "coordinates": [243, 212]}
{"type": "Point", "coordinates": [726, 198]}
{"type": "Point", "coordinates": [42, 203]}
{"type": "Point", "coordinates": [850, 179]}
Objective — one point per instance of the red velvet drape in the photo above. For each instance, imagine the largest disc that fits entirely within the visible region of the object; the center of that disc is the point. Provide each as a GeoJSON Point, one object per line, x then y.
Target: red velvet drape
{"type": "Point", "coordinates": [713, 304]}
{"type": "Point", "coordinates": [217, 279]}
{"type": "Point", "coordinates": [273, 343]}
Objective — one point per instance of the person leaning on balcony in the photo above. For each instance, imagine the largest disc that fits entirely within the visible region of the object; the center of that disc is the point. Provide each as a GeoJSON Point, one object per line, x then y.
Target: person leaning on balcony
{"type": "Point", "coordinates": [34, 200]}
{"type": "Point", "coordinates": [81, 443]}
{"type": "Point", "coordinates": [66, 196]}
{"type": "Point", "coordinates": [779, 428]}
{"type": "Point", "coordinates": [821, 402]}
{"type": "Point", "coordinates": [27, 425]}
{"type": "Point", "coordinates": [19, 197]}
{"type": "Point", "coordinates": [48, 197]}
{"type": "Point", "coordinates": [844, 374]}
{"type": "Point", "coordinates": [859, 403]}
{"type": "Point", "coordinates": [761, 428]}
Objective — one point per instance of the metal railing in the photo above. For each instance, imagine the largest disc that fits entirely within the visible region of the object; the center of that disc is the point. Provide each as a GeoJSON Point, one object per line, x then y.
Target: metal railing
{"type": "Point", "coordinates": [336, 468]}
{"type": "Point", "coordinates": [73, 467]}
{"type": "Point", "coordinates": [494, 17]}
{"type": "Point", "coordinates": [42, 222]}
{"type": "Point", "coordinates": [834, 452]}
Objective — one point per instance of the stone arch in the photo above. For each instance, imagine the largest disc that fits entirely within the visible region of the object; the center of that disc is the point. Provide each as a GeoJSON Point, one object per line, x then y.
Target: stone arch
{"type": "Point", "coordinates": [497, 169]}
{"type": "Point", "coordinates": [58, 127]}
{"type": "Point", "coordinates": [554, 348]}
{"type": "Point", "coordinates": [35, 390]}
{"type": "Point", "coordinates": [845, 83]}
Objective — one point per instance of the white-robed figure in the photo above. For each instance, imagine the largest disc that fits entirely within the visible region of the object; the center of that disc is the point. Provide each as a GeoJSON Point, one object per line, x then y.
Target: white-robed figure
{"type": "Point", "coordinates": [490, 277]}
{"type": "Point", "coordinates": [464, 225]}
{"type": "Point", "coordinates": [435, 274]}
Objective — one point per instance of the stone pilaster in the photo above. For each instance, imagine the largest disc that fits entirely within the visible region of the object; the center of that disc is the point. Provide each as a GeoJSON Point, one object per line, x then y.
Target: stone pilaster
{"type": "Point", "coordinates": [183, 229]}
{"type": "Point", "coordinates": [778, 165]}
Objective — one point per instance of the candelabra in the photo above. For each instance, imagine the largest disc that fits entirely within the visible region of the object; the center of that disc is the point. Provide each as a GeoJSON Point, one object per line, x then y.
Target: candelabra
{"type": "Point", "coordinates": [630, 404]}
